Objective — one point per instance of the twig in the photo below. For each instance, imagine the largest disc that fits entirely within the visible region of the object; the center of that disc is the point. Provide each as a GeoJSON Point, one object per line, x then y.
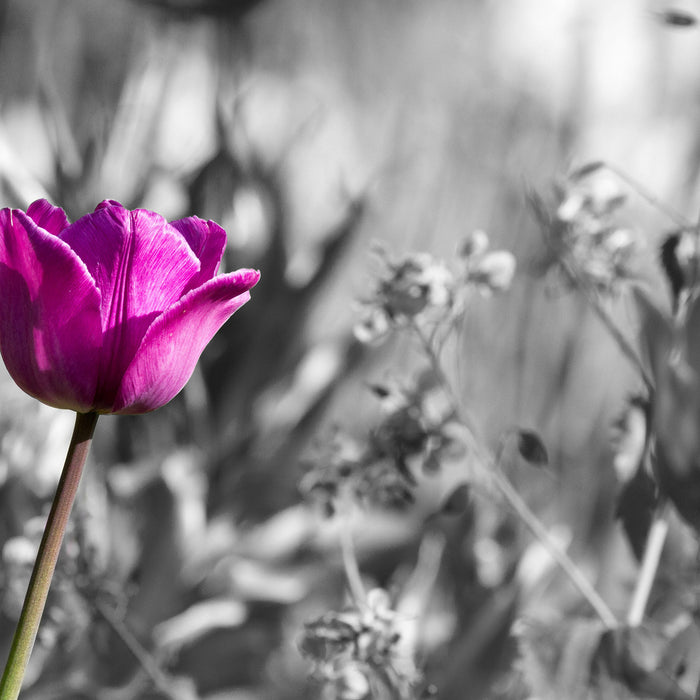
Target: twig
{"type": "Point", "coordinates": [460, 413]}
{"type": "Point", "coordinates": [516, 502]}
{"type": "Point", "coordinates": [145, 660]}
{"type": "Point", "coordinates": [650, 197]}
{"type": "Point", "coordinates": [566, 564]}
{"type": "Point", "coordinates": [85, 586]}
{"type": "Point", "coordinates": [650, 563]}
{"type": "Point", "coordinates": [623, 343]}
{"type": "Point", "coordinates": [347, 548]}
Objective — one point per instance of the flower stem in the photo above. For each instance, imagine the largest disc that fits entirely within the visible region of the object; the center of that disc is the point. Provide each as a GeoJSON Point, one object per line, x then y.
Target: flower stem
{"type": "Point", "coordinates": [513, 498]}
{"type": "Point", "coordinates": [562, 559]}
{"type": "Point", "coordinates": [595, 304]}
{"type": "Point", "coordinates": [148, 663]}
{"type": "Point", "coordinates": [350, 564]}
{"type": "Point", "coordinates": [650, 564]}
{"type": "Point", "coordinates": [40, 582]}
{"type": "Point", "coordinates": [650, 197]}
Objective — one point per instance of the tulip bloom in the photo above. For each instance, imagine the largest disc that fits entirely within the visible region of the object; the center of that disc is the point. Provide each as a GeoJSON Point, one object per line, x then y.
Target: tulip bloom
{"type": "Point", "coordinates": [106, 315]}
{"type": "Point", "coordinates": [110, 314]}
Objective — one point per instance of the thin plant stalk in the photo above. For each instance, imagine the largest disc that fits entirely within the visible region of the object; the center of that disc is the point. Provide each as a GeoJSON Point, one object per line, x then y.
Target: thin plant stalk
{"type": "Point", "coordinates": [650, 564]}
{"type": "Point", "coordinates": [517, 503]}
{"type": "Point", "coordinates": [148, 664]}
{"type": "Point", "coordinates": [650, 197]}
{"type": "Point", "coordinates": [40, 582]}
{"type": "Point", "coordinates": [565, 563]}
{"type": "Point", "coordinates": [460, 413]}
{"type": "Point", "coordinates": [623, 343]}
{"type": "Point", "coordinates": [350, 564]}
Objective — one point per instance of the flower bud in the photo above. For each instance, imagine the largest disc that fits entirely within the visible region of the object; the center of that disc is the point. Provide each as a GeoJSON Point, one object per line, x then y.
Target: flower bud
{"type": "Point", "coordinates": [495, 271]}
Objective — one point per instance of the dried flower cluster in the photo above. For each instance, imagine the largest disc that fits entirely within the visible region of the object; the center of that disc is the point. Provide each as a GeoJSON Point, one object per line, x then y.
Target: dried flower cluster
{"type": "Point", "coordinates": [416, 432]}
{"type": "Point", "coordinates": [585, 237]}
{"type": "Point", "coordinates": [419, 287]}
{"type": "Point", "coordinates": [356, 653]}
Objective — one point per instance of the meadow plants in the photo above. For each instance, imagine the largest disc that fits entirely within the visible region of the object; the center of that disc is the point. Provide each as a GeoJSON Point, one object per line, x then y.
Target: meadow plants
{"type": "Point", "coordinates": [587, 648]}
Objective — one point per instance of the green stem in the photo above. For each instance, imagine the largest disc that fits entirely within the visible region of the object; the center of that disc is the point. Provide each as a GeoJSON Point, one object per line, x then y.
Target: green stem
{"type": "Point", "coordinates": [40, 582]}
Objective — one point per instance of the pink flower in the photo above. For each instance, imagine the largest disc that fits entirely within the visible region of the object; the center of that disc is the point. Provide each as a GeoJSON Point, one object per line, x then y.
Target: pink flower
{"type": "Point", "coordinates": [110, 314]}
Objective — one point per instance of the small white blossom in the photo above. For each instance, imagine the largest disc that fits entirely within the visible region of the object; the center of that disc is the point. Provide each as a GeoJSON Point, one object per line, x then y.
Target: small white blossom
{"type": "Point", "coordinates": [495, 271]}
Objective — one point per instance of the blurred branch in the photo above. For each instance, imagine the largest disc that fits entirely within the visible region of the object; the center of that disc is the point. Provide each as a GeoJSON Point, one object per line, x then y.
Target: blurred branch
{"type": "Point", "coordinates": [623, 343]}
{"type": "Point", "coordinates": [555, 232]}
{"type": "Point", "coordinates": [146, 661]}
{"type": "Point", "coordinates": [89, 585]}
{"type": "Point", "coordinates": [347, 547]}
{"type": "Point", "coordinates": [515, 501]}
{"type": "Point", "coordinates": [566, 564]}
{"type": "Point", "coordinates": [650, 563]}
{"type": "Point", "coordinates": [650, 197]}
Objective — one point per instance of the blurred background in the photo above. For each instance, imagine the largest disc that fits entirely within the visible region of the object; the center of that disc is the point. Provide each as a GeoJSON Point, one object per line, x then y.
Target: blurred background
{"type": "Point", "coordinates": [310, 129]}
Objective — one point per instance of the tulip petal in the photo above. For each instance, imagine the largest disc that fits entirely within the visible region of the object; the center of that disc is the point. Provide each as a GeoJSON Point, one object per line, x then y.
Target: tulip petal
{"type": "Point", "coordinates": [207, 240]}
{"type": "Point", "coordinates": [172, 345]}
{"type": "Point", "coordinates": [141, 265]}
{"type": "Point", "coordinates": [45, 215]}
{"type": "Point", "coordinates": [50, 330]}
{"type": "Point", "coordinates": [108, 203]}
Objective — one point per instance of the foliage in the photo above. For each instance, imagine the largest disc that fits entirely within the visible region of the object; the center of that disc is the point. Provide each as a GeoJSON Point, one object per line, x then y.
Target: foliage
{"type": "Point", "coordinates": [370, 512]}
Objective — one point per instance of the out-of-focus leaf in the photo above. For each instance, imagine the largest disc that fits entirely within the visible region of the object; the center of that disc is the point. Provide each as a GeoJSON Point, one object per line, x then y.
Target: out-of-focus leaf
{"type": "Point", "coordinates": [198, 620]}
{"type": "Point", "coordinates": [229, 10]}
{"type": "Point", "coordinates": [670, 264]}
{"type": "Point", "coordinates": [639, 493]}
{"type": "Point", "coordinates": [158, 588]}
{"type": "Point", "coordinates": [457, 501]}
{"type": "Point", "coordinates": [635, 657]}
{"type": "Point", "coordinates": [481, 651]}
{"type": "Point", "coordinates": [531, 448]}
{"type": "Point", "coordinates": [183, 472]}
{"type": "Point", "coordinates": [254, 580]}
{"type": "Point", "coordinates": [630, 438]}
{"type": "Point", "coordinates": [587, 169]}
{"type": "Point", "coordinates": [635, 508]}
{"type": "Point", "coordinates": [127, 161]}
{"type": "Point", "coordinates": [415, 599]}
{"type": "Point", "coordinates": [682, 657]}
{"type": "Point", "coordinates": [678, 18]}
{"type": "Point", "coordinates": [675, 403]}
{"type": "Point", "coordinates": [282, 408]}
{"type": "Point", "coordinates": [280, 537]}
{"type": "Point", "coordinates": [15, 177]}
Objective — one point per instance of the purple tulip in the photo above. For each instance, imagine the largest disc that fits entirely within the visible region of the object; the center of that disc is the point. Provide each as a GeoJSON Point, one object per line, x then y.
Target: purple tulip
{"type": "Point", "coordinates": [110, 314]}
